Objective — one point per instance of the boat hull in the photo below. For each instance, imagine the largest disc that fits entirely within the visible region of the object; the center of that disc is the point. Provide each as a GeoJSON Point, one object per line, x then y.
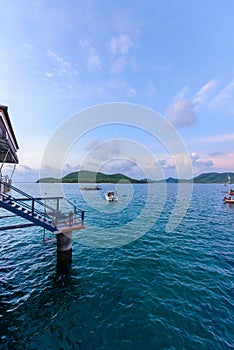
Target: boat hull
{"type": "Point", "coordinates": [229, 200]}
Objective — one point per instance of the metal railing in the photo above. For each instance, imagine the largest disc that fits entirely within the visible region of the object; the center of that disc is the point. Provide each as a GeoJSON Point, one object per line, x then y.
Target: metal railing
{"type": "Point", "coordinates": [38, 206]}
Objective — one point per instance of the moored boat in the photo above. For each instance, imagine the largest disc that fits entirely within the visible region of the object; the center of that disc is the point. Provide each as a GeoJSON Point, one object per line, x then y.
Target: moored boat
{"type": "Point", "coordinates": [231, 192]}
{"type": "Point", "coordinates": [110, 196]}
{"type": "Point", "coordinates": [91, 188]}
{"type": "Point", "coordinates": [229, 200]}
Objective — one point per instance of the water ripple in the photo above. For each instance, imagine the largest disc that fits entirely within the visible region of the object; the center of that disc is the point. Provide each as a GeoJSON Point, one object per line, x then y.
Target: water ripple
{"type": "Point", "coordinates": [162, 291]}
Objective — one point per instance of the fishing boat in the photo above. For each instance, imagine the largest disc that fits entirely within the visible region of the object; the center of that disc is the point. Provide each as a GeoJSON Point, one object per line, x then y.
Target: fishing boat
{"type": "Point", "coordinates": [231, 192]}
{"type": "Point", "coordinates": [91, 188]}
{"type": "Point", "coordinates": [229, 199]}
{"type": "Point", "coordinates": [110, 196]}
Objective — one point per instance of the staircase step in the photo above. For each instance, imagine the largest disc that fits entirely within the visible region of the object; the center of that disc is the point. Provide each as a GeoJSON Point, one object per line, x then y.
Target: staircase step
{"type": "Point", "coordinates": [20, 208]}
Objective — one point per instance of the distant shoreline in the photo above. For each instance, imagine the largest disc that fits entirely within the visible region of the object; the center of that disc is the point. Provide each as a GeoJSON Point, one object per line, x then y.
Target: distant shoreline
{"type": "Point", "coordinates": [85, 176]}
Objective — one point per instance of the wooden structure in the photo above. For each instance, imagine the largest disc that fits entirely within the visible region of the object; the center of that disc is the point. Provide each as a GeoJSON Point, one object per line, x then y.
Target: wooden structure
{"type": "Point", "coordinates": [8, 142]}
{"type": "Point", "coordinates": [35, 211]}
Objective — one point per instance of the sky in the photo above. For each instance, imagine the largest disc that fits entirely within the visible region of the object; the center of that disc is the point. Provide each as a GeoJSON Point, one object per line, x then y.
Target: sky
{"type": "Point", "coordinates": [175, 57]}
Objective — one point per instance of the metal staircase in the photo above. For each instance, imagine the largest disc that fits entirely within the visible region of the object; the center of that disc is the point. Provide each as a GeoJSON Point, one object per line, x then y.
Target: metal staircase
{"type": "Point", "coordinates": [39, 213]}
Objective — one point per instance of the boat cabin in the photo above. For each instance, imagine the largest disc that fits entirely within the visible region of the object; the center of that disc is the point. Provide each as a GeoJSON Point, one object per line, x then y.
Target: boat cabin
{"type": "Point", "coordinates": [8, 142]}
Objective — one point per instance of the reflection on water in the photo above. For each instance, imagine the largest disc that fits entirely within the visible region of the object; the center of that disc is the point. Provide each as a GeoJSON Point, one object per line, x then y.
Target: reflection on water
{"type": "Point", "coordinates": [162, 290]}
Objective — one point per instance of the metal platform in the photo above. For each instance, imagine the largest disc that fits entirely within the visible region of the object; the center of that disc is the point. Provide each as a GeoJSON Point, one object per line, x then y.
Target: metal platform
{"type": "Point", "coordinates": [38, 212]}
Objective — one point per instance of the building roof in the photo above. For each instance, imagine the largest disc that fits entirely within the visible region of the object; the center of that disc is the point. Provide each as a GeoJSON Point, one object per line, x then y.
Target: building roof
{"type": "Point", "coordinates": [5, 110]}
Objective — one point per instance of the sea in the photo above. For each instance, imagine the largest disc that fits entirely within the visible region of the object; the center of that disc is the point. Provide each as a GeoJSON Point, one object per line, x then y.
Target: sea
{"type": "Point", "coordinates": [135, 283]}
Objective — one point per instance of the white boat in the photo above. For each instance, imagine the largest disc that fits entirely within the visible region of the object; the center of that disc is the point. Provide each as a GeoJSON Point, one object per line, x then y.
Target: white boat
{"type": "Point", "coordinates": [110, 196]}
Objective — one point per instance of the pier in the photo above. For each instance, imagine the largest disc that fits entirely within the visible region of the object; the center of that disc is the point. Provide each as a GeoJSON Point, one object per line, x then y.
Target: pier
{"type": "Point", "coordinates": [55, 214]}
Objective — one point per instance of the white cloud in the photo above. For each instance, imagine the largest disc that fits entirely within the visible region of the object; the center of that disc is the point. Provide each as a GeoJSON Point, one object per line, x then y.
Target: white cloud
{"type": "Point", "coordinates": [201, 165]}
{"type": "Point", "coordinates": [91, 144]}
{"type": "Point", "coordinates": [223, 161]}
{"type": "Point", "coordinates": [49, 74]}
{"type": "Point", "coordinates": [106, 150]}
{"type": "Point", "coordinates": [224, 97]}
{"type": "Point", "coordinates": [120, 45]}
{"type": "Point", "coordinates": [217, 138]}
{"type": "Point", "coordinates": [68, 168]}
{"type": "Point", "coordinates": [118, 65]}
{"type": "Point", "coordinates": [131, 92]}
{"type": "Point", "coordinates": [181, 94]}
{"type": "Point", "coordinates": [24, 173]}
{"type": "Point", "coordinates": [181, 113]}
{"type": "Point", "coordinates": [134, 64]}
{"type": "Point", "coordinates": [62, 67]}
{"type": "Point", "coordinates": [167, 163]}
{"type": "Point", "coordinates": [125, 166]}
{"type": "Point", "coordinates": [187, 107]}
{"type": "Point", "coordinates": [93, 61]}
{"type": "Point", "coordinates": [204, 92]}
{"type": "Point", "coordinates": [91, 57]}
{"type": "Point", "coordinates": [150, 89]}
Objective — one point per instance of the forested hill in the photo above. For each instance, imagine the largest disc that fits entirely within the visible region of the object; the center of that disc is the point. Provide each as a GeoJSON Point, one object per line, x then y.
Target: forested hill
{"type": "Point", "coordinates": [214, 178]}
{"type": "Point", "coordinates": [84, 176]}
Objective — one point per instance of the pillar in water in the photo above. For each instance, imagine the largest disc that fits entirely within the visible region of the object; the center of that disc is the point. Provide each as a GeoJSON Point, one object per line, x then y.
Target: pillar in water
{"type": "Point", "coordinates": [64, 248]}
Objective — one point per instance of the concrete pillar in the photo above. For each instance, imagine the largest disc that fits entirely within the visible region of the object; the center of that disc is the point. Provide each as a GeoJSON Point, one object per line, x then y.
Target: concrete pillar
{"type": "Point", "coordinates": [64, 248]}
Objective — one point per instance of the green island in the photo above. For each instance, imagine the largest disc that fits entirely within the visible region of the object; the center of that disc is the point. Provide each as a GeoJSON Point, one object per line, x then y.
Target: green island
{"type": "Point", "coordinates": [85, 176]}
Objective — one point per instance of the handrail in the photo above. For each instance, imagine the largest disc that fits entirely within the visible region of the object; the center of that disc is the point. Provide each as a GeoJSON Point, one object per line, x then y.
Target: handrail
{"type": "Point", "coordinates": [27, 195]}
{"type": "Point", "coordinates": [53, 212]}
{"type": "Point", "coordinates": [81, 211]}
{"type": "Point", "coordinates": [26, 206]}
{"type": "Point", "coordinates": [74, 206]}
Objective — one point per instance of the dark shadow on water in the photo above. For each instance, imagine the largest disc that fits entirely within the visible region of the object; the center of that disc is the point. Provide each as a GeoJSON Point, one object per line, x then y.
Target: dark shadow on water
{"type": "Point", "coordinates": [45, 305]}
{"type": "Point", "coordinates": [63, 275]}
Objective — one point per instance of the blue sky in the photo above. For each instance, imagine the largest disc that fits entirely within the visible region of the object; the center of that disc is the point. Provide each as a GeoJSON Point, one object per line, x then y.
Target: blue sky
{"type": "Point", "coordinates": [173, 56]}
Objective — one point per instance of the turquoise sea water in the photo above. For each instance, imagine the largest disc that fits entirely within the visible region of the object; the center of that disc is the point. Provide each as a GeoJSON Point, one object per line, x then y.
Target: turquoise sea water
{"type": "Point", "coordinates": [157, 290]}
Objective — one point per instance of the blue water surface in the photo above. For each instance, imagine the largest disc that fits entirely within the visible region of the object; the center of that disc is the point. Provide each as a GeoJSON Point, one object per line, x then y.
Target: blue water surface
{"type": "Point", "coordinates": [154, 290]}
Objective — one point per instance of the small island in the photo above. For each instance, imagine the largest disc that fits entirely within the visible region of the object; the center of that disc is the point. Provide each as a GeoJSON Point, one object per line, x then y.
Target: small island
{"type": "Point", "coordinates": [86, 176]}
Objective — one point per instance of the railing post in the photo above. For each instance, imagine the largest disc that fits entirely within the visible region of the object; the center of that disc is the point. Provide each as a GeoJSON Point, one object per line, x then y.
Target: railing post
{"type": "Point", "coordinates": [1, 187]}
{"type": "Point", "coordinates": [82, 218]}
{"type": "Point", "coordinates": [33, 200]}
